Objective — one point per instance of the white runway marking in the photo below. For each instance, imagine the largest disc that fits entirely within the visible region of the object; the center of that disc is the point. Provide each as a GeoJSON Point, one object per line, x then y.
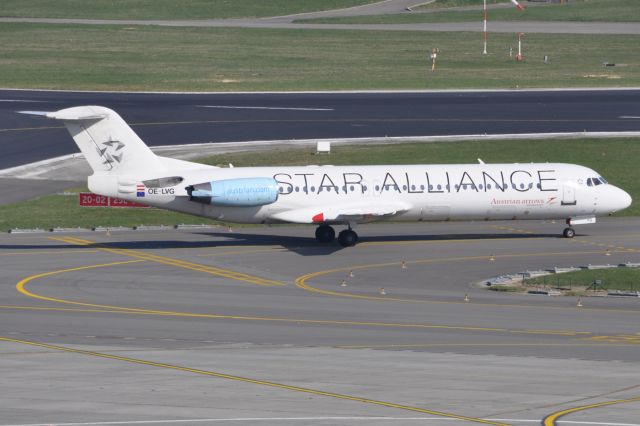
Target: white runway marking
{"type": "Point", "coordinates": [261, 107]}
{"type": "Point", "coordinates": [301, 419]}
{"type": "Point", "coordinates": [630, 117]}
{"type": "Point", "coordinates": [23, 100]}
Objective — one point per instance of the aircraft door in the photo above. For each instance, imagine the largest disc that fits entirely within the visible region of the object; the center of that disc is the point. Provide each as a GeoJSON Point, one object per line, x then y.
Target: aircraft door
{"type": "Point", "coordinates": [568, 195]}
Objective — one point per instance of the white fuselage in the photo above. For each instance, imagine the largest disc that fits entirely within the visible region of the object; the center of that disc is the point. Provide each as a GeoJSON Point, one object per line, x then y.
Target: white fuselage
{"type": "Point", "coordinates": [421, 192]}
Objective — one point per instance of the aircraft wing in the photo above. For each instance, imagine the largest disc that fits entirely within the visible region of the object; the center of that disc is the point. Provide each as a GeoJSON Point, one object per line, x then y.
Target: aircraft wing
{"type": "Point", "coordinates": [342, 214]}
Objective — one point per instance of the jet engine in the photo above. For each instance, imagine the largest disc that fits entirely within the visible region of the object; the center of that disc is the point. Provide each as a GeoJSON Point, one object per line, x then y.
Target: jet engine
{"type": "Point", "coordinates": [241, 192]}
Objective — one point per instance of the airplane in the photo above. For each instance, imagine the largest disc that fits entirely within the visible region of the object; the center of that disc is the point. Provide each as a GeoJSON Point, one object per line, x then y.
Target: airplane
{"type": "Point", "coordinates": [325, 196]}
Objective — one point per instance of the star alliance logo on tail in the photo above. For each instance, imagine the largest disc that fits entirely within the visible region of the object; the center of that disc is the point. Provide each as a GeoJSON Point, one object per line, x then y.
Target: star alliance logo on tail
{"type": "Point", "coordinates": [110, 152]}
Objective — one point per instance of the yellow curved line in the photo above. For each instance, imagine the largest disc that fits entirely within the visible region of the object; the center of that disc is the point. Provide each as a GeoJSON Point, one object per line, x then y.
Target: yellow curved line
{"type": "Point", "coordinates": [57, 252]}
{"type": "Point", "coordinates": [456, 345]}
{"type": "Point", "coordinates": [254, 381]}
{"type": "Point", "coordinates": [551, 419]}
{"type": "Point", "coordinates": [21, 287]}
{"type": "Point", "coordinates": [301, 282]}
{"type": "Point", "coordinates": [226, 273]}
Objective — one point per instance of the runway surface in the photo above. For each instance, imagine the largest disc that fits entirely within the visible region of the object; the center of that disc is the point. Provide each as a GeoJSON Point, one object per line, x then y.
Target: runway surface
{"type": "Point", "coordinates": [261, 325]}
{"type": "Point", "coordinates": [170, 119]}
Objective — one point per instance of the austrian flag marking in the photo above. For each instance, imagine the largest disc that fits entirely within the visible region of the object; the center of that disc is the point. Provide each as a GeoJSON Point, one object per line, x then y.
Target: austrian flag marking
{"type": "Point", "coordinates": [140, 190]}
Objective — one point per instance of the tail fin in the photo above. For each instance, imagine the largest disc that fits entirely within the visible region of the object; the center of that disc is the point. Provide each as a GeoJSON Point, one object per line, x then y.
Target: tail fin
{"type": "Point", "coordinates": [107, 142]}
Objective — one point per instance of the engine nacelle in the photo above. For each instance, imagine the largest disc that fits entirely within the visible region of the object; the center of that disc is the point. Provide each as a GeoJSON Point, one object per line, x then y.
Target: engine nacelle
{"type": "Point", "coordinates": [241, 192]}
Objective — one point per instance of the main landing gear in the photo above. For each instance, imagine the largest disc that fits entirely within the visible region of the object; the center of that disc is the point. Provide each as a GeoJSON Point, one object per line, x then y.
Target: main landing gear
{"type": "Point", "coordinates": [569, 233]}
{"type": "Point", "coordinates": [326, 234]}
{"type": "Point", "coordinates": [347, 238]}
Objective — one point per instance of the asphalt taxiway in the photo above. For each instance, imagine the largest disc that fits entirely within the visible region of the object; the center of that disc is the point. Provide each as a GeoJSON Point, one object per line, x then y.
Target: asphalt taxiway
{"type": "Point", "coordinates": [261, 325]}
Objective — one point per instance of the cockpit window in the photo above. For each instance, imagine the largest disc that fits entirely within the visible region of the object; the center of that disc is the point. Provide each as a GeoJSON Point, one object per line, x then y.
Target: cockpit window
{"type": "Point", "coordinates": [596, 181]}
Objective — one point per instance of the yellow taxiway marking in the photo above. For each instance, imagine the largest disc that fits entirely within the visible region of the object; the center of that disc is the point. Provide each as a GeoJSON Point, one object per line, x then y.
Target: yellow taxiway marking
{"type": "Point", "coordinates": [445, 241]}
{"type": "Point", "coordinates": [620, 338]}
{"type": "Point", "coordinates": [22, 289]}
{"type": "Point", "coordinates": [43, 308]}
{"type": "Point", "coordinates": [580, 240]}
{"type": "Point", "coordinates": [456, 345]}
{"type": "Point", "coordinates": [551, 419]}
{"type": "Point", "coordinates": [94, 307]}
{"type": "Point", "coordinates": [226, 273]}
{"type": "Point", "coordinates": [249, 251]}
{"type": "Point", "coordinates": [48, 252]}
{"type": "Point", "coordinates": [302, 281]}
{"type": "Point", "coordinates": [548, 332]}
{"type": "Point", "coordinates": [252, 381]}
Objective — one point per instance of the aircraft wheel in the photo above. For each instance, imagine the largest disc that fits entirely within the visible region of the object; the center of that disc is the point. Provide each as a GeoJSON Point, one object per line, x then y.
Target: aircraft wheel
{"type": "Point", "coordinates": [569, 233]}
{"type": "Point", "coordinates": [325, 234]}
{"type": "Point", "coordinates": [347, 238]}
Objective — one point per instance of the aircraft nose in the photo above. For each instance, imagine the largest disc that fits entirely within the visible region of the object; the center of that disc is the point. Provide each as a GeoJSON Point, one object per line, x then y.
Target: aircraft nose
{"type": "Point", "coordinates": [620, 199]}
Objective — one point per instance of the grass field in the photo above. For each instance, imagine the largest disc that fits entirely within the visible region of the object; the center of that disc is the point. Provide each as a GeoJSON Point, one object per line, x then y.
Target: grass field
{"type": "Point", "coordinates": [616, 159]}
{"type": "Point", "coordinates": [166, 9]}
{"type": "Point", "coordinates": [612, 279]}
{"type": "Point", "coordinates": [228, 59]}
{"type": "Point", "coordinates": [581, 11]}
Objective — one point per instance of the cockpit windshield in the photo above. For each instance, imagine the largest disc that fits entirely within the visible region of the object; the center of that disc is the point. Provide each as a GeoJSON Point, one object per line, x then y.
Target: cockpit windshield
{"type": "Point", "coordinates": [595, 181]}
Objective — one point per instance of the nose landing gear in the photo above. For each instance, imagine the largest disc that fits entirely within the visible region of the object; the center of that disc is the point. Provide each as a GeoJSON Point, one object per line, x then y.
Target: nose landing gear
{"type": "Point", "coordinates": [569, 233]}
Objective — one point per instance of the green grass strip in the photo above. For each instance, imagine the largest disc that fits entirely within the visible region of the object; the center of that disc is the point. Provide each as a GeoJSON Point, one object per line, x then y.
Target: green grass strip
{"type": "Point", "coordinates": [167, 9]}
{"type": "Point", "coordinates": [626, 279]}
{"type": "Point", "coordinates": [229, 59]}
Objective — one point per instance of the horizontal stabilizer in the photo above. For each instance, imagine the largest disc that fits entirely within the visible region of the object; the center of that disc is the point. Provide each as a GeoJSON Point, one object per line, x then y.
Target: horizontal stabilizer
{"type": "Point", "coordinates": [76, 114]}
{"type": "Point", "coordinates": [40, 113]}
